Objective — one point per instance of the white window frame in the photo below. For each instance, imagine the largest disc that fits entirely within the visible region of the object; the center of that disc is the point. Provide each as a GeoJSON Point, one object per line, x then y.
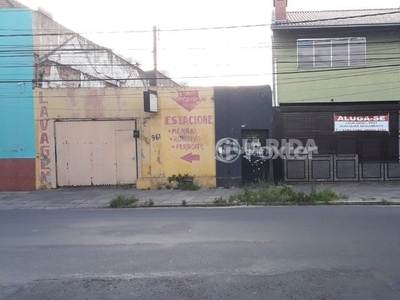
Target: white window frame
{"type": "Point", "coordinates": [330, 41]}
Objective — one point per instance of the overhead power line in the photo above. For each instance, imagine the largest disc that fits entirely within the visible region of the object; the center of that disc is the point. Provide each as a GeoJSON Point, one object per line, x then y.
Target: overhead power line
{"type": "Point", "coordinates": [383, 60]}
{"type": "Point", "coordinates": [41, 33]}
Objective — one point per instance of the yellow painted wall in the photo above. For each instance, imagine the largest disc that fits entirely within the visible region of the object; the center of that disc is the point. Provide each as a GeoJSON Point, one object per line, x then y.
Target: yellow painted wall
{"type": "Point", "coordinates": [180, 138]}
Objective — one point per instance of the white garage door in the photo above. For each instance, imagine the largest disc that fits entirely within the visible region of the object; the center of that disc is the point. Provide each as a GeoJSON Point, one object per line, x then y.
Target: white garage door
{"type": "Point", "coordinates": [95, 153]}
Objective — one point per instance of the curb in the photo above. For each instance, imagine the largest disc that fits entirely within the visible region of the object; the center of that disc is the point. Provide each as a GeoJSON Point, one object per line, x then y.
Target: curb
{"type": "Point", "coordinates": [343, 203]}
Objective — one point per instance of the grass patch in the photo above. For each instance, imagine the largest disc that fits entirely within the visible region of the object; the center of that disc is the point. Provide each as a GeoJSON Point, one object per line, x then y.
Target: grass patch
{"type": "Point", "coordinates": [324, 195]}
{"type": "Point", "coordinates": [123, 202]}
{"type": "Point", "coordinates": [189, 186]}
{"type": "Point", "coordinates": [273, 194]}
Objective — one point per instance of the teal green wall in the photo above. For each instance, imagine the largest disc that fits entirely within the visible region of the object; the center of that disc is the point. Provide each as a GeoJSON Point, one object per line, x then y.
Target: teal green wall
{"type": "Point", "coordinates": [380, 81]}
{"type": "Point", "coordinates": [17, 134]}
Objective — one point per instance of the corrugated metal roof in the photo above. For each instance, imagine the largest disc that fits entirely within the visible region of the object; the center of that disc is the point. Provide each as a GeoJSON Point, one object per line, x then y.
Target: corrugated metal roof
{"type": "Point", "coordinates": [340, 18]}
{"type": "Point", "coordinates": [11, 4]}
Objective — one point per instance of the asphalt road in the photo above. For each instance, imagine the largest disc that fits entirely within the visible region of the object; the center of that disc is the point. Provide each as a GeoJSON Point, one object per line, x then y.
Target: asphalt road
{"type": "Point", "coordinates": [316, 252]}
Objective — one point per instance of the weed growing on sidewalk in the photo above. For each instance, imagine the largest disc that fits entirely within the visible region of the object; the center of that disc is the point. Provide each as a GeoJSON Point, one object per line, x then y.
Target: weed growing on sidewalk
{"type": "Point", "coordinates": [123, 202]}
{"type": "Point", "coordinates": [132, 202]}
{"type": "Point", "coordinates": [220, 201]}
{"type": "Point", "coordinates": [183, 182]}
{"type": "Point", "coordinates": [189, 186]}
{"type": "Point", "coordinates": [384, 202]}
{"type": "Point", "coordinates": [148, 203]}
{"type": "Point", "coordinates": [272, 194]}
{"type": "Point", "coordinates": [324, 195]}
{"type": "Point", "coordinates": [122, 186]}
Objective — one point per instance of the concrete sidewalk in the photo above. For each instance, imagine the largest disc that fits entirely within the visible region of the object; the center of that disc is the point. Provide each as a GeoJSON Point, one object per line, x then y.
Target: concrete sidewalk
{"type": "Point", "coordinates": [99, 197]}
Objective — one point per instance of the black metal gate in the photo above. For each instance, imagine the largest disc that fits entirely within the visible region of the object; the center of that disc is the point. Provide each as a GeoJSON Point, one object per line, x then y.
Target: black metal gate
{"type": "Point", "coordinates": [339, 168]}
{"type": "Point", "coordinates": [255, 167]}
{"type": "Point", "coordinates": [342, 156]}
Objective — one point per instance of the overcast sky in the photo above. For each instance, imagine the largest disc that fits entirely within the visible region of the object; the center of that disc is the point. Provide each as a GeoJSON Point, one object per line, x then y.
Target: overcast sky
{"type": "Point", "coordinates": [237, 56]}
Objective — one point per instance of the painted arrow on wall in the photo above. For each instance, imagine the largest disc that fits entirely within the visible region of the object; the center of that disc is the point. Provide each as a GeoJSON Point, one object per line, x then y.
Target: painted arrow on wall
{"type": "Point", "coordinates": [190, 157]}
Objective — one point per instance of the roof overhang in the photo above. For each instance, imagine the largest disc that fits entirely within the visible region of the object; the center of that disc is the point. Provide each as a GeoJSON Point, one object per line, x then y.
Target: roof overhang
{"type": "Point", "coordinates": [295, 27]}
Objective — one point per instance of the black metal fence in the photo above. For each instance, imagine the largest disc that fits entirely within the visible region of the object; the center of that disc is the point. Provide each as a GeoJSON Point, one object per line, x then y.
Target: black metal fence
{"type": "Point", "coordinates": [342, 156]}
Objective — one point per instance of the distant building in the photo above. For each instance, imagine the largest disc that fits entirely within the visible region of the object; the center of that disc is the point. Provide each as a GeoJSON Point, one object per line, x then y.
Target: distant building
{"type": "Point", "coordinates": [63, 58]}
{"type": "Point", "coordinates": [157, 78]}
{"type": "Point", "coordinates": [11, 4]}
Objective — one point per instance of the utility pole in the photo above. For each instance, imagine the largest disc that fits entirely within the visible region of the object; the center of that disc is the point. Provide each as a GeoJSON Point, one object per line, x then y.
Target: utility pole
{"type": "Point", "coordinates": [155, 55]}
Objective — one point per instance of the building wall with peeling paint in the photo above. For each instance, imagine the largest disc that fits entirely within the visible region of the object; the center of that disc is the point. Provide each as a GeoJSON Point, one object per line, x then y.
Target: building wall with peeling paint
{"type": "Point", "coordinates": [56, 57]}
{"type": "Point", "coordinates": [180, 138]}
{"type": "Point", "coordinates": [17, 142]}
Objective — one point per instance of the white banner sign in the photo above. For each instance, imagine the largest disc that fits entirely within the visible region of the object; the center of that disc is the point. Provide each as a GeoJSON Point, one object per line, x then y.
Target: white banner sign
{"type": "Point", "coordinates": [361, 123]}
